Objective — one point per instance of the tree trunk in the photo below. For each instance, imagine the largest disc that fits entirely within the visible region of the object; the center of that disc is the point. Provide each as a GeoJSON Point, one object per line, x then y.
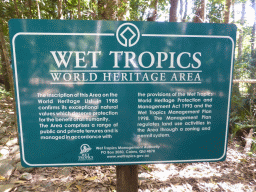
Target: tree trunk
{"type": "Point", "coordinates": [7, 70]}
{"type": "Point", "coordinates": [30, 15]}
{"type": "Point", "coordinates": [200, 12]}
{"type": "Point", "coordinates": [6, 67]}
{"type": "Point", "coordinates": [185, 12]}
{"type": "Point", "coordinates": [173, 10]}
{"type": "Point", "coordinates": [38, 10]}
{"type": "Point", "coordinates": [79, 10]}
{"type": "Point", "coordinates": [28, 11]}
{"type": "Point", "coordinates": [203, 10]}
{"type": "Point", "coordinates": [252, 89]}
{"type": "Point", "coordinates": [4, 72]}
{"type": "Point", "coordinates": [227, 11]}
{"type": "Point", "coordinates": [233, 11]}
{"type": "Point", "coordinates": [60, 15]}
{"type": "Point", "coordinates": [253, 51]}
{"type": "Point", "coordinates": [4, 60]}
{"type": "Point", "coordinates": [181, 9]}
{"type": "Point", "coordinates": [241, 34]}
{"type": "Point", "coordinates": [71, 14]}
{"type": "Point", "coordinates": [16, 9]}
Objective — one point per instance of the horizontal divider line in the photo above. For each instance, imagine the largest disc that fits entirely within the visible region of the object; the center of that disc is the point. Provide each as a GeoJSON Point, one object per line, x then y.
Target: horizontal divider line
{"type": "Point", "coordinates": [81, 83]}
{"type": "Point", "coordinates": [89, 34]}
{"type": "Point", "coordinates": [173, 35]}
{"type": "Point", "coordinates": [123, 71]}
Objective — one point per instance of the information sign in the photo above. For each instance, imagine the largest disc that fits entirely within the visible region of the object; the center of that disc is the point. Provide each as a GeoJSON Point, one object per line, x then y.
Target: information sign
{"type": "Point", "coordinates": [113, 92]}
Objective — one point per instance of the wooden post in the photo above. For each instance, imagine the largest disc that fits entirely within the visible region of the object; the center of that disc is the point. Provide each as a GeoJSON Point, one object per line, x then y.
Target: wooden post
{"type": "Point", "coordinates": [127, 178]}
{"type": "Point", "coordinates": [244, 81]}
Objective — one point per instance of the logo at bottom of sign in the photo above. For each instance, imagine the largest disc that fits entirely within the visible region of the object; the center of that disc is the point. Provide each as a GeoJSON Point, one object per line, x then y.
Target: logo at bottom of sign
{"type": "Point", "coordinates": [84, 153]}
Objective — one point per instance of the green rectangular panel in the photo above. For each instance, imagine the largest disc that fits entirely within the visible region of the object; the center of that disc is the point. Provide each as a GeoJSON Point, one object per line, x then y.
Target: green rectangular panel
{"type": "Point", "coordinates": [113, 92]}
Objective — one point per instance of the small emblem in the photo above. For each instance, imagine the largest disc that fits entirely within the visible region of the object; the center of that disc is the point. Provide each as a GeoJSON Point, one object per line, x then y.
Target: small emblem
{"type": "Point", "coordinates": [85, 148]}
{"type": "Point", "coordinates": [129, 34]}
{"type": "Point", "coordinates": [84, 153]}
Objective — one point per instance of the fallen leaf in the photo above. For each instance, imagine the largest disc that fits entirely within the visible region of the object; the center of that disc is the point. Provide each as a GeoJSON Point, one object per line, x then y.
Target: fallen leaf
{"type": "Point", "coordinates": [80, 177]}
{"type": "Point", "coordinates": [2, 178]}
{"type": "Point", "coordinates": [79, 188]}
{"type": "Point", "coordinates": [69, 185]}
{"type": "Point", "coordinates": [91, 178]}
{"type": "Point", "coordinates": [20, 182]}
{"type": "Point", "coordinates": [109, 178]}
{"type": "Point", "coordinates": [112, 188]}
{"type": "Point", "coordinates": [243, 160]}
{"type": "Point", "coordinates": [213, 181]}
{"type": "Point", "coordinates": [35, 187]}
{"type": "Point", "coordinates": [192, 168]}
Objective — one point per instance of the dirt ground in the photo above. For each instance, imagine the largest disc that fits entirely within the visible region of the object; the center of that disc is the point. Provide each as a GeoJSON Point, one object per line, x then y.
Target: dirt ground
{"type": "Point", "coordinates": [237, 173]}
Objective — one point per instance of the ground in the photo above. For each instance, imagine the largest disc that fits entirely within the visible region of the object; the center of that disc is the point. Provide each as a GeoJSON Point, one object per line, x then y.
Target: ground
{"type": "Point", "coordinates": [236, 173]}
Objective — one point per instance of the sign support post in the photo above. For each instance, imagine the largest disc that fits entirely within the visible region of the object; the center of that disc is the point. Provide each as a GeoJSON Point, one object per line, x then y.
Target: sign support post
{"type": "Point", "coordinates": [127, 178]}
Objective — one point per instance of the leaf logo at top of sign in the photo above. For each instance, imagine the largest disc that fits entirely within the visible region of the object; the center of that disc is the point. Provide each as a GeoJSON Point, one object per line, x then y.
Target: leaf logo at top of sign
{"type": "Point", "coordinates": [85, 148]}
{"type": "Point", "coordinates": [127, 34]}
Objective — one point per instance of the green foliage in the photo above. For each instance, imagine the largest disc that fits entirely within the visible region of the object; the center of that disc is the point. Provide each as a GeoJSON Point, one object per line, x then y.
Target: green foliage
{"type": "Point", "coordinates": [235, 130]}
{"type": "Point", "coordinates": [48, 9]}
{"type": "Point", "coordinates": [215, 9]}
{"type": "Point", "coordinates": [6, 10]}
{"type": "Point", "coordinates": [245, 67]}
{"type": "Point", "coordinates": [163, 8]}
{"type": "Point", "coordinates": [137, 9]}
{"type": "Point", "coordinates": [146, 168]}
{"type": "Point", "coordinates": [197, 4]}
{"type": "Point", "coordinates": [4, 93]}
{"type": "Point", "coordinates": [240, 108]}
{"type": "Point", "coordinates": [242, 116]}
